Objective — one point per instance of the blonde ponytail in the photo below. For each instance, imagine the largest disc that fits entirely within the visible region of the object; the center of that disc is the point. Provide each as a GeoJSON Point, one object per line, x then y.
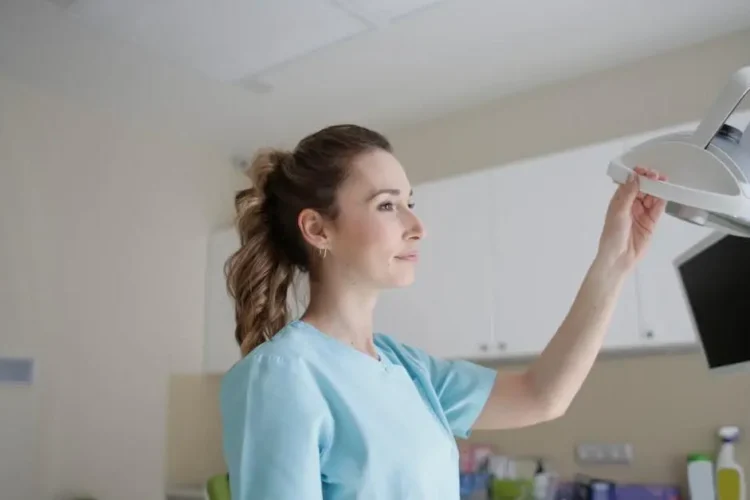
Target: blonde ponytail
{"type": "Point", "coordinates": [258, 275]}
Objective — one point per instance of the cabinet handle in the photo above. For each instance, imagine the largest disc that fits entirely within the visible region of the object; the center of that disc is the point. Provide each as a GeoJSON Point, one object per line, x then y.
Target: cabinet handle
{"type": "Point", "coordinates": [502, 346]}
{"type": "Point", "coordinates": [483, 347]}
{"type": "Point", "coordinates": [649, 334]}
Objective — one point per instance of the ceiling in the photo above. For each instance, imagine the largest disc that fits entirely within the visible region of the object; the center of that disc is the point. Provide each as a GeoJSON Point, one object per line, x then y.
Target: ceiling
{"type": "Point", "coordinates": [244, 73]}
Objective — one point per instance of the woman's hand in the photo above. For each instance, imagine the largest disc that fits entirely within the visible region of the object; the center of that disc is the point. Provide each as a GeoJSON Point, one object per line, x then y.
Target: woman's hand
{"type": "Point", "coordinates": [629, 223]}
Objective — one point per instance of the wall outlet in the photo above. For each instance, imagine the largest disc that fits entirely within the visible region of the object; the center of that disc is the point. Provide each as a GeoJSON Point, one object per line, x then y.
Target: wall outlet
{"type": "Point", "coordinates": [604, 453]}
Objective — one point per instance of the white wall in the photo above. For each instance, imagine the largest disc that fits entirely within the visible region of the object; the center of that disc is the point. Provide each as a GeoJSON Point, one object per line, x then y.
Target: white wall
{"type": "Point", "coordinates": [102, 246]}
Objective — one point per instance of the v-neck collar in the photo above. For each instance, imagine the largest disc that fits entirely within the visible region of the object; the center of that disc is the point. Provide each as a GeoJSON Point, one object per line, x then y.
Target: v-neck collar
{"type": "Point", "coordinates": [333, 342]}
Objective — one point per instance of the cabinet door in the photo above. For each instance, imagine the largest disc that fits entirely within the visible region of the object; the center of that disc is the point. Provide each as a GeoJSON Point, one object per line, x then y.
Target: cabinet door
{"type": "Point", "coordinates": [666, 316]}
{"type": "Point", "coordinates": [447, 311]}
{"type": "Point", "coordinates": [548, 217]}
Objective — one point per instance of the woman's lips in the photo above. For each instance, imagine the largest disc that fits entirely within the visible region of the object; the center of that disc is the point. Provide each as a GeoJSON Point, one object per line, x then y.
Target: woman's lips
{"type": "Point", "coordinates": [410, 257]}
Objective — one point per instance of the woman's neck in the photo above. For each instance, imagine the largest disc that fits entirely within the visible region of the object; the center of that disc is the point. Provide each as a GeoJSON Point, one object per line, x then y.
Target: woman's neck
{"type": "Point", "coordinates": [343, 312]}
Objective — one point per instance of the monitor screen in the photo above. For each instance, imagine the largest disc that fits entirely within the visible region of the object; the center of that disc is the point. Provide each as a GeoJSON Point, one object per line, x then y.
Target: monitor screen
{"type": "Point", "coordinates": [716, 280]}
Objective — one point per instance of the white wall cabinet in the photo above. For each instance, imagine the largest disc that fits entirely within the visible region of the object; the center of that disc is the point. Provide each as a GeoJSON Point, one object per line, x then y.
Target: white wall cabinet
{"type": "Point", "coordinates": [549, 214]}
{"type": "Point", "coordinates": [665, 314]}
{"type": "Point", "coordinates": [506, 252]}
{"type": "Point", "coordinates": [447, 311]}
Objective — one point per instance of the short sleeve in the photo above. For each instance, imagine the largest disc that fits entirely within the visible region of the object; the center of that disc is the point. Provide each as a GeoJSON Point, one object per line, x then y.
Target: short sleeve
{"type": "Point", "coordinates": [274, 427]}
{"type": "Point", "coordinates": [462, 388]}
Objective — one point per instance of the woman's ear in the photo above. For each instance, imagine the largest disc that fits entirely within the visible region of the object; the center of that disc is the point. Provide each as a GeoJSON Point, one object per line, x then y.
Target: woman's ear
{"type": "Point", "coordinates": [314, 229]}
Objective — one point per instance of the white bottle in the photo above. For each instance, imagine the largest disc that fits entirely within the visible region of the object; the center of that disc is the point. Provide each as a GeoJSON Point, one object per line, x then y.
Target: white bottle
{"type": "Point", "coordinates": [541, 482]}
{"type": "Point", "coordinates": [700, 473]}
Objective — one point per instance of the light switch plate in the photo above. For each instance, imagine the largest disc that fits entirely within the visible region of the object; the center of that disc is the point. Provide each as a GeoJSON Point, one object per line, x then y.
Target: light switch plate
{"type": "Point", "coordinates": [604, 453]}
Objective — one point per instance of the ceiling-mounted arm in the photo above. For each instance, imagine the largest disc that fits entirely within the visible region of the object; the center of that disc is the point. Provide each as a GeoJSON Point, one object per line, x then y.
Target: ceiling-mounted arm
{"type": "Point", "coordinates": [729, 98]}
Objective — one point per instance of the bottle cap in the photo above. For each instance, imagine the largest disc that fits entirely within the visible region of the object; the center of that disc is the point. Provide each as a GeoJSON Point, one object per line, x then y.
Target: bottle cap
{"type": "Point", "coordinates": [698, 457]}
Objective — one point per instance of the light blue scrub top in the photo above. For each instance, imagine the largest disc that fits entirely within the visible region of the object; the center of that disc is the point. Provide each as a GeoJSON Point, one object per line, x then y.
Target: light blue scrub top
{"type": "Point", "coordinates": [307, 417]}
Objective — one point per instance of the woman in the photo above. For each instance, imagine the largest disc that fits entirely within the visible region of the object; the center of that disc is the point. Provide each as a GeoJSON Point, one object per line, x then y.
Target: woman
{"type": "Point", "coordinates": [323, 408]}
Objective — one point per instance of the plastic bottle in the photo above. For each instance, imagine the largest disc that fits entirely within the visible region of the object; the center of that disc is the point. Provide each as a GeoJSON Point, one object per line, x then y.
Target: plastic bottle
{"type": "Point", "coordinates": [730, 478]}
{"type": "Point", "coordinates": [541, 482]}
{"type": "Point", "coordinates": [700, 472]}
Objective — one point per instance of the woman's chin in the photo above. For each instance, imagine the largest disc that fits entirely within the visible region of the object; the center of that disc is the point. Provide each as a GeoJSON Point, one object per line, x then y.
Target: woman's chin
{"type": "Point", "coordinates": [402, 279]}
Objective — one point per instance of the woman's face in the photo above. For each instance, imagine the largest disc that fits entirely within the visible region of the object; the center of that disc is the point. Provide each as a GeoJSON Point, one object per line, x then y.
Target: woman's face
{"type": "Point", "coordinates": [373, 241]}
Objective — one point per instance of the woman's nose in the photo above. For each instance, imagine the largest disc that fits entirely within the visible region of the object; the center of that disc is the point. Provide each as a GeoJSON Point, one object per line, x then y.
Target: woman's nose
{"type": "Point", "coordinates": [416, 230]}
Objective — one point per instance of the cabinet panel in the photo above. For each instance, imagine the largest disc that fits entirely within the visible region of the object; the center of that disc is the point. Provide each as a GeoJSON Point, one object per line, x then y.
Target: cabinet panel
{"type": "Point", "coordinates": [548, 217]}
{"type": "Point", "coordinates": [665, 312]}
{"type": "Point", "coordinates": [447, 311]}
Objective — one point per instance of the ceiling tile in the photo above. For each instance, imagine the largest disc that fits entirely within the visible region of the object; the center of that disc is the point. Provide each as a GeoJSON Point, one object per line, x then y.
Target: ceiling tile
{"type": "Point", "coordinates": [229, 40]}
{"type": "Point", "coordinates": [379, 12]}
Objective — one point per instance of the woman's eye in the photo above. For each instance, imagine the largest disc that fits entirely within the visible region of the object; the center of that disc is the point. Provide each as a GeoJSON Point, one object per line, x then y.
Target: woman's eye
{"type": "Point", "coordinates": [388, 206]}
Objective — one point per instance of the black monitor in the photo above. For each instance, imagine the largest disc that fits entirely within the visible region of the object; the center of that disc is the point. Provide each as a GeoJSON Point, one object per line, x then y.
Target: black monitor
{"type": "Point", "coordinates": [715, 276]}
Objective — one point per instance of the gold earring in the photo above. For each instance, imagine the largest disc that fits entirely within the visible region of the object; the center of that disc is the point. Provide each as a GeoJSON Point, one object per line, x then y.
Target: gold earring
{"type": "Point", "coordinates": [323, 252]}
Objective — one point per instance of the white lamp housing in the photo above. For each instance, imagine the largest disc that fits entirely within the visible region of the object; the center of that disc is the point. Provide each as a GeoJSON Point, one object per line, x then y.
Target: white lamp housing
{"type": "Point", "coordinates": [707, 170]}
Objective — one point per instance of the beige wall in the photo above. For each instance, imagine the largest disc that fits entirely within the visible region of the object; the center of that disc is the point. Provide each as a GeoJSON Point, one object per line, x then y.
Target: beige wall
{"type": "Point", "coordinates": [666, 406]}
{"type": "Point", "coordinates": [103, 232]}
